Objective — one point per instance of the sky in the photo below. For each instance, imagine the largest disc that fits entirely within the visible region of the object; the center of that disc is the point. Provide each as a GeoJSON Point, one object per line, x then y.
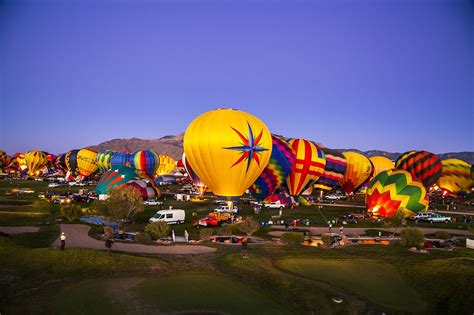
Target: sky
{"type": "Point", "coordinates": [388, 75]}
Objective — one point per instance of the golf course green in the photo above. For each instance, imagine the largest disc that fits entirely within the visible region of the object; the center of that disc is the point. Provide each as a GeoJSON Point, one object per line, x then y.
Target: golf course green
{"type": "Point", "coordinates": [378, 282]}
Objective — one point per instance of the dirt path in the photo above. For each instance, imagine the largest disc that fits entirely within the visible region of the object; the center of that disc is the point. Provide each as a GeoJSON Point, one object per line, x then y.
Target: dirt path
{"type": "Point", "coordinates": [361, 231]}
{"type": "Point", "coordinates": [19, 229]}
{"type": "Point", "coordinates": [77, 236]}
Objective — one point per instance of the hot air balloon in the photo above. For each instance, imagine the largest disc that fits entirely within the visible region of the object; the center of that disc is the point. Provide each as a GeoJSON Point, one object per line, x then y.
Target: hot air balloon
{"type": "Point", "coordinates": [180, 166]}
{"type": "Point", "coordinates": [394, 190]}
{"type": "Point", "coordinates": [51, 158]}
{"type": "Point", "coordinates": [166, 165]}
{"type": "Point", "coordinates": [228, 149]}
{"type": "Point", "coordinates": [115, 177]}
{"type": "Point", "coordinates": [334, 171]}
{"type": "Point", "coordinates": [35, 161]}
{"type": "Point", "coordinates": [282, 161]}
{"type": "Point", "coordinates": [17, 163]}
{"type": "Point", "coordinates": [4, 159]}
{"type": "Point", "coordinates": [282, 198]}
{"type": "Point", "coordinates": [86, 165]}
{"type": "Point", "coordinates": [103, 160]}
{"type": "Point", "coordinates": [455, 176]}
{"type": "Point", "coordinates": [380, 164]}
{"type": "Point", "coordinates": [310, 164]}
{"type": "Point", "coordinates": [422, 164]}
{"type": "Point", "coordinates": [71, 162]}
{"type": "Point", "coordinates": [120, 159]}
{"type": "Point", "coordinates": [145, 163]}
{"type": "Point", "coordinates": [196, 181]}
{"type": "Point", "coordinates": [60, 162]}
{"type": "Point", "coordinates": [147, 188]}
{"type": "Point", "coordinates": [359, 168]}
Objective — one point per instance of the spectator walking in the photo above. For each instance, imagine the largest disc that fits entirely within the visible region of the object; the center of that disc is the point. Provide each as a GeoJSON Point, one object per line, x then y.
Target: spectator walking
{"type": "Point", "coordinates": [63, 240]}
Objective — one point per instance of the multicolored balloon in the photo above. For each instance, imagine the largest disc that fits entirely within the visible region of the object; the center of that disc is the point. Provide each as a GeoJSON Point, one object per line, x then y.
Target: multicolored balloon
{"type": "Point", "coordinates": [228, 149]}
{"type": "Point", "coordinates": [35, 161]}
{"type": "Point", "coordinates": [120, 159]}
{"type": "Point", "coordinates": [115, 177]}
{"type": "Point", "coordinates": [310, 164]}
{"type": "Point", "coordinates": [334, 171]}
{"type": "Point", "coordinates": [394, 190]}
{"type": "Point", "coordinates": [147, 188]}
{"type": "Point", "coordinates": [359, 168]}
{"type": "Point", "coordinates": [4, 159]}
{"type": "Point", "coordinates": [145, 163]}
{"type": "Point", "coordinates": [71, 162]}
{"type": "Point", "coordinates": [166, 165]}
{"type": "Point", "coordinates": [380, 164]}
{"type": "Point", "coordinates": [282, 162]}
{"type": "Point", "coordinates": [423, 165]}
{"type": "Point", "coordinates": [60, 162]}
{"type": "Point", "coordinates": [103, 160]}
{"type": "Point", "coordinates": [455, 177]}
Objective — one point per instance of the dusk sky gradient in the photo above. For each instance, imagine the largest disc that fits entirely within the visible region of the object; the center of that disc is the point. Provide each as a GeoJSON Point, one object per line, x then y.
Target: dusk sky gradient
{"type": "Point", "coordinates": [389, 75]}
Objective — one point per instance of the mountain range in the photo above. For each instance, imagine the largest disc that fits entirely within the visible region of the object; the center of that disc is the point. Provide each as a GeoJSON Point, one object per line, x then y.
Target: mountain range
{"type": "Point", "coordinates": [173, 146]}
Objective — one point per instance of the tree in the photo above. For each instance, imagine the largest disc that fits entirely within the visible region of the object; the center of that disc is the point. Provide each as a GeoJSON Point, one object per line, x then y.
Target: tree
{"type": "Point", "coordinates": [411, 237]}
{"type": "Point", "coordinates": [249, 226]}
{"type": "Point", "coordinates": [158, 229]}
{"type": "Point", "coordinates": [124, 203]}
{"type": "Point", "coordinates": [395, 222]}
{"type": "Point", "coordinates": [71, 212]}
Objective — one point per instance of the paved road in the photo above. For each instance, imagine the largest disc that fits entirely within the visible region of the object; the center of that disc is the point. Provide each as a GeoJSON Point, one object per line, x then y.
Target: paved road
{"type": "Point", "coordinates": [361, 231]}
{"type": "Point", "coordinates": [18, 229]}
{"type": "Point", "coordinates": [77, 236]}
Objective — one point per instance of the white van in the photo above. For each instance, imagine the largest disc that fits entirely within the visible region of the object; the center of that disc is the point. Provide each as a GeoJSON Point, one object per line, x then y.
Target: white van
{"type": "Point", "coordinates": [172, 216]}
{"type": "Point", "coordinates": [182, 197]}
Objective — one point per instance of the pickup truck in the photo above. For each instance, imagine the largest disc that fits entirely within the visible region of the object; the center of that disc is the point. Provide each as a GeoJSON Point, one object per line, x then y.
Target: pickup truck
{"type": "Point", "coordinates": [422, 216]}
{"type": "Point", "coordinates": [274, 205]}
{"type": "Point", "coordinates": [226, 209]}
{"type": "Point", "coordinates": [213, 219]}
{"type": "Point", "coordinates": [436, 217]}
{"type": "Point", "coordinates": [153, 202]}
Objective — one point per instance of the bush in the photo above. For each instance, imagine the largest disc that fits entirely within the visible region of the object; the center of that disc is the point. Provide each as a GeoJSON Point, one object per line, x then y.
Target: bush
{"type": "Point", "coordinates": [71, 212]}
{"type": "Point", "coordinates": [158, 229]}
{"type": "Point", "coordinates": [249, 226]}
{"type": "Point", "coordinates": [206, 234]}
{"type": "Point", "coordinates": [224, 231]}
{"type": "Point", "coordinates": [326, 239]}
{"type": "Point", "coordinates": [411, 237]}
{"type": "Point", "coordinates": [143, 237]}
{"type": "Point", "coordinates": [442, 235]}
{"type": "Point", "coordinates": [292, 238]}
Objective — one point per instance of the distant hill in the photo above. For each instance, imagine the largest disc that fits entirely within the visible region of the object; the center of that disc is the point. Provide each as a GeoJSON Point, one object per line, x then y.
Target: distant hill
{"type": "Point", "coordinates": [173, 146]}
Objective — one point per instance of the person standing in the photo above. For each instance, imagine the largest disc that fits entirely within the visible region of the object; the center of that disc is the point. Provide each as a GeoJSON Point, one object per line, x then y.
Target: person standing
{"type": "Point", "coordinates": [63, 240]}
{"type": "Point", "coordinates": [186, 235]}
{"type": "Point", "coordinates": [108, 244]}
{"type": "Point", "coordinates": [341, 230]}
{"type": "Point", "coordinates": [330, 227]}
{"type": "Point", "coordinates": [244, 248]}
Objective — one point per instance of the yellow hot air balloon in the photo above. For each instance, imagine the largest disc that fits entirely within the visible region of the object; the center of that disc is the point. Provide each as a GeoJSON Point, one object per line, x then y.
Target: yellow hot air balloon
{"type": "Point", "coordinates": [166, 166]}
{"type": "Point", "coordinates": [228, 149]}
{"type": "Point", "coordinates": [35, 160]}
{"type": "Point", "coordinates": [359, 169]}
{"type": "Point", "coordinates": [86, 162]}
{"type": "Point", "coordinates": [380, 164]}
{"type": "Point", "coordinates": [455, 176]}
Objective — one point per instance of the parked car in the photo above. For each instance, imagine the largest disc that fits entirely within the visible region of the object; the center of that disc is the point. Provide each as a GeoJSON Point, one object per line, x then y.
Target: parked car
{"type": "Point", "coordinates": [213, 219]}
{"type": "Point", "coordinates": [436, 217]}
{"type": "Point", "coordinates": [335, 197]}
{"type": "Point", "coordinates": [53, 185]}
{"type": "Point", "coordinates": [226, 208]}
{"type": "Point", "coordinates": [153, 202]}
{"type": "Point", "coordinates": [422, 216]}
{"type": "Point", "coordinates": [172, 216]}
{"type": "Point", "coordinates": [274, 205]}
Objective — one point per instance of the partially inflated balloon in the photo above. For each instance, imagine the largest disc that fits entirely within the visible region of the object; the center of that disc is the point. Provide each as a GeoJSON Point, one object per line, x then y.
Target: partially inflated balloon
{"type": "Point", "coordinates": [282, 161]}
{"type": "Point", "coordinates": [455, 176]}
{"type": "Point", "coordinates": [196, 181]}
{"type": "Point", "coordinates": [166, 165]}
{"type": "Point", "coordinates": [86, 165]}
{"type": "Point", "coordinates": [35, 161]}
{"type": "Point", "coordinates": [120, 159]}
{"type": "Point", "coordinates": [60, 162]}
{"type": "Point", "coordinates": [4, 159]}
{"type": "Point", "coordinates": [310, 163]}
{"type": "Point", "coordinates": [394, 190]}
{"type": "Point", "coordinates": [228, 149]}
{"type": "Point", "coordinates": [103, 160]}
{"type": "Point", "coordinates": [146, 188]}
{"type": "Point", "coordinates": [380, 164]}
{"type": "Point", "coordinates": [422, 164]}
{"type": "Point", "coordinates": [359, 168]}
{"type": "Point", "coordinates": [145, 163]}
{"type": "Point", "coordinates": [71, 162]}
{"type": "Point", "coordinates": [115, 177]}
{"type": "Point", "coordinates": [334, 171]}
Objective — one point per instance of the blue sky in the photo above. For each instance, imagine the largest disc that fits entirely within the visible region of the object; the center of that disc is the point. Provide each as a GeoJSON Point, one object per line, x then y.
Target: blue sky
{"type": "Point", "coordinates": [390, 75]}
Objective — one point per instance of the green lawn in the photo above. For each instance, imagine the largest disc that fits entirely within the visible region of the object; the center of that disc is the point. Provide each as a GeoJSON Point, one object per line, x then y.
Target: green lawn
{"type": "Point", "coordinates": [378, 282]}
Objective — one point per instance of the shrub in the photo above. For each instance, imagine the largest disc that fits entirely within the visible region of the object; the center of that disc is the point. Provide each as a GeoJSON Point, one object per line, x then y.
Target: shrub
{"type": "Point", "coordinates": [249, 226]}
{"type": "Point", "coordinates": [71, 212]}
{"type": "Point", "coordinates": [108, 231]}
{"type": "Point", "coordinates": [442, 235]}
{"type": "Point", "coordinates": [326, 239]}
{"type": "Point", "coordinates": [206, 234]}
{"type": "Point", "coordinates": [411, 237]}
{"type": "Point", "coordinates": [143, 237]}
{"type": "Point", "coordinates": [158, 229]}
{"type": "Point", "coordinates": [224, 231]}
{"type": "Point", "coordinates": [292, 238]}
{"type": "Point", "coordinates": [124, 203]}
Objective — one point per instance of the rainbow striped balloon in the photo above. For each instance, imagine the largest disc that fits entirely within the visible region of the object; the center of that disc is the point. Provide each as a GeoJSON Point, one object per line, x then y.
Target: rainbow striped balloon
{"type": "Point", "coordinates": [116, 176]}
{"type": "Point", "coordinates": [145, 163]}
{"type": "Point", "coordinates": [334, 171]}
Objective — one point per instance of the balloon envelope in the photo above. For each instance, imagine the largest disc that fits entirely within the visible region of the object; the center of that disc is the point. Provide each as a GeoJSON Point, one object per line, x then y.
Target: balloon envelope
{"type": "Point", "coordinates": [35, 161]}
{"type": "Point", "coordinates": [166, 165]}
{"type": "Point", "coordinates": [394, 190]}
{"type": "Point", "coordinates": [455, 176]}
{"type": "Point", "coordinates": [115, 177]}
{"type": "Point", "coordinates": [145, 163]}
{"type": "Point", "coordinates": [228, 149]}
{"type": "Point", "coordinates": [103, 160]}
{"type": "Point", "coordinates": [380, 164]}
{"type": "Point", "coordinates": [422, 164]}
{"type": "Point", "coordinates": [120, 159]}
{"type": "Point", "coordinates": [147, 188]}
{"type": "Point", "coordinates": [359, 168]}
{"type": "Point", "coordinates": [334, 170]}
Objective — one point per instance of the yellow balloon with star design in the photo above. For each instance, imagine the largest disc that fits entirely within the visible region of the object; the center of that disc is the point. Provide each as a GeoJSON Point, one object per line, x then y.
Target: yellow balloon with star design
{"type": "Point", "coordinates": [227, 149]}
